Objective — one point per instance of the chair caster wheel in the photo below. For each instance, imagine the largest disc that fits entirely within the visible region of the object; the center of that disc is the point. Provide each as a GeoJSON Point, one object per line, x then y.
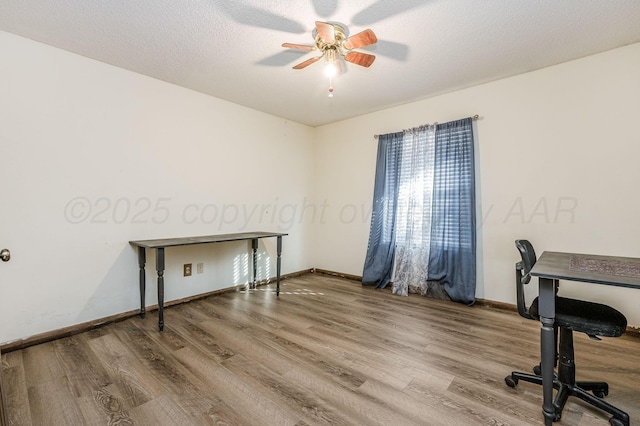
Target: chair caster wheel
{"type": "Point", "coordinates": [616, 422]}
{"type": "Point", "coordinates": [511, 381]}
{"type": "Point", "coordinates": [537, 370]}
{"type": "Point", "coordinates": [600, 394]}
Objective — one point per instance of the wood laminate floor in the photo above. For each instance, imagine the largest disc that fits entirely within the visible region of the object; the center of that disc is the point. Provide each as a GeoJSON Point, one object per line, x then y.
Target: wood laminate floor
{"type": "Point", "coordinates": [328, 351]}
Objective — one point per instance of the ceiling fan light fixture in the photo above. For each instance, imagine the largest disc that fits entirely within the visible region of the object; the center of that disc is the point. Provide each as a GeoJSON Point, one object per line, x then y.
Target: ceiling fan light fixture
{"type": "Point", "coordinates": [331, 68]}
{"type": "Point", "coordinates": [331, 40]}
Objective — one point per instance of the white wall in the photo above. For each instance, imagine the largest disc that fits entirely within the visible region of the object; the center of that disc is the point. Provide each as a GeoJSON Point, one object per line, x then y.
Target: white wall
{"type": "Point", "coordinates": [557, 163]}
{"type": "Point", "coordinates": [93, 156]}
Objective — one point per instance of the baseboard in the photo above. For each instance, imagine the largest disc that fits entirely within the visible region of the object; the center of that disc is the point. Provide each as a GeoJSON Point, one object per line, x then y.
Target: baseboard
{"type": "Point", "coordinates": [90, 325]}
{"type": "Point", "coordinates": [337, 274]}
{"type": "Point", "coordinates": [501, 306]}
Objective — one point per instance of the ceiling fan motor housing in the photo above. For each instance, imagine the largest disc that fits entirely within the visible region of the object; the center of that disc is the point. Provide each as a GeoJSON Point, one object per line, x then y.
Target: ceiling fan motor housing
{"type": "Point", "coordinates": [339, 36]}
{"type": "Point", "coordinates": [331, 40]}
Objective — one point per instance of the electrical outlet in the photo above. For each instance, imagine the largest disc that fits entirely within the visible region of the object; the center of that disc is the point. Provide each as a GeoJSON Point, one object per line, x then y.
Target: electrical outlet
{"type": "Point", "coordinates": [200, 268]}
{"type": "Point", "coordinates": [187, 269]}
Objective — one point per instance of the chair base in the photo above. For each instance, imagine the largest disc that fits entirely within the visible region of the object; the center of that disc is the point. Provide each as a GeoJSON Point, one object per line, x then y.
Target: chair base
{"type": "Point", "coordinates": [579, 390]}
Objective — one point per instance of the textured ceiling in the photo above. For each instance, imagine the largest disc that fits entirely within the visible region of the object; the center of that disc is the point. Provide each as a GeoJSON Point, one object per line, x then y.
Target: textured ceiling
{"type": "Point", "coordinates": [232, 49]}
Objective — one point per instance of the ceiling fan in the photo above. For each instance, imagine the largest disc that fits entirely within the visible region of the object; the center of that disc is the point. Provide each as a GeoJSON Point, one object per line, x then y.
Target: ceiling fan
{"type": "Point", "coordinates": [332, 41]}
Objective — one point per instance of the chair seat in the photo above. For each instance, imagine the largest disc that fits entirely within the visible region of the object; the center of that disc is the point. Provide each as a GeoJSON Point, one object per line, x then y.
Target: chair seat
{"type": "Point", "coordinates": [591, 318]}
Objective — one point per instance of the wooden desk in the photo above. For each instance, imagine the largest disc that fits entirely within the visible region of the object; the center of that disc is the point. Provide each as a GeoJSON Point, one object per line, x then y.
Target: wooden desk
{"type": "Point", "coordinates": [587, 268]}
{"type": "Point", "coordinates": [160, 244]}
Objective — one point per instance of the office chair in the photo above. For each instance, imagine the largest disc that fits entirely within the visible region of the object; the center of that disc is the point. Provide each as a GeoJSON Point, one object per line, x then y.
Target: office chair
{"type": "Point", "coordinates": [593, 319]}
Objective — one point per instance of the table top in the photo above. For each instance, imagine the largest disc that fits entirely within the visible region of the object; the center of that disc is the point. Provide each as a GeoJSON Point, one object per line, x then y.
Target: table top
{"type": "Point", "coordinates": [203, 239]}
{"type": "Point", "coordinates": [609, 270]}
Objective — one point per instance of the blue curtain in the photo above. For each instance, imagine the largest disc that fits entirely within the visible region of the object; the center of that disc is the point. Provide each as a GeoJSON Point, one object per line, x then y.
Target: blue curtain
{"type": "Point", "coordinates": [452, 258]}
{"type": "Point", "coordinates": [378, 264]}
{"type": "Point", "coordinates": [452, 246]}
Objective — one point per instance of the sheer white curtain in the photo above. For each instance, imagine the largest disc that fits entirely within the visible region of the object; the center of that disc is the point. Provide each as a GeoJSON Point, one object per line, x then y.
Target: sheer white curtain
{"type": "Point", "coordinates": [415, 193]}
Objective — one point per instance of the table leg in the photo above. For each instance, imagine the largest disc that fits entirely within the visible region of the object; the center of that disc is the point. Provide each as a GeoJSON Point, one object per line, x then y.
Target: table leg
{"type": "Point", "coordinates": [142, 258]}
{"type": "Point", "coordinates": [254, 247]}
{"type": "Point", "coordinates": [279, 251]}
{"type": "Point", "coordinates": [160, 270]}
{"type": "Point", "coordinates": [547, 308]}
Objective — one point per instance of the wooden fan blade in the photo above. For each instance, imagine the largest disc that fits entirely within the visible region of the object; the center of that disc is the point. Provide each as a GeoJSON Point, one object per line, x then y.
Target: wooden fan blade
{"type": "Point", "coordinates": [326, 32]}
{"type": "Point", "coordinates": [297, 46]}
{"type": "Point", "coordinates": [307, 63]}
{"type": "Point", "coordinates": [364, 38]}
{"type": "Point", "coordinates": [359, 58]}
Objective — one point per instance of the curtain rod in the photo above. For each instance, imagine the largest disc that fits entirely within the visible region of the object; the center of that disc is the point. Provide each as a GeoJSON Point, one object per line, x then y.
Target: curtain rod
{"type": "Point", "coordinates": [474, 118]}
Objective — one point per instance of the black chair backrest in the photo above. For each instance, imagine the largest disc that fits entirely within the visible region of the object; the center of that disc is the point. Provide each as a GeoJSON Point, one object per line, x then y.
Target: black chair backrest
{"type": "Point", "coordinates": [523, 268]}
{"type": "Point", "coordinates": [528, 258]}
